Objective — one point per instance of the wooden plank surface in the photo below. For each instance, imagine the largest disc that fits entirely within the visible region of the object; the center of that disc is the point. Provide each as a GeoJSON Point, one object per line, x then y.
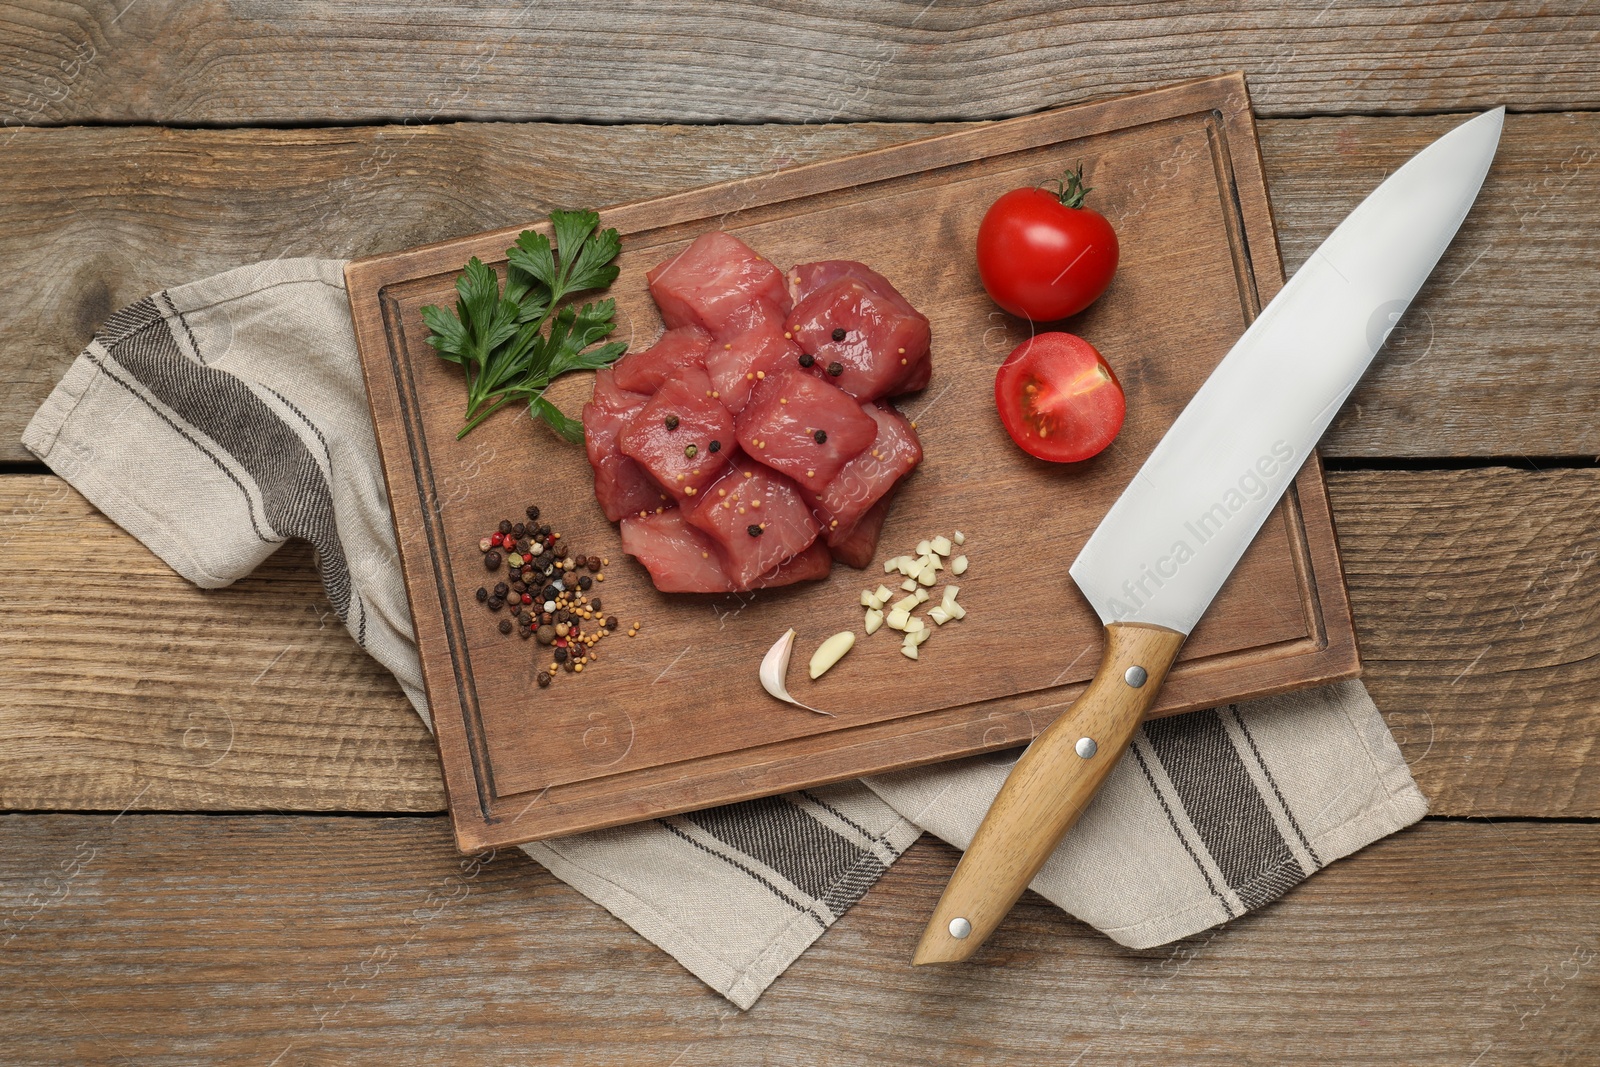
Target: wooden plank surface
{"type": "Point", "coordinates": [356, 940]}
{"type": "Point", "coordinates": [1461, 581]}
{"type": "Point", "coordinates": [96, 218]}
{"type": "Point", "coordinates": [167, 61]}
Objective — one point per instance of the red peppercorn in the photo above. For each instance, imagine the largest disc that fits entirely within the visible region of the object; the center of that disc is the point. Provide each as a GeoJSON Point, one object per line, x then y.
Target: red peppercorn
{"type": "Point", "coordinates": [527, 598]}
{"type": "Point", "coordinates": [497, 539]}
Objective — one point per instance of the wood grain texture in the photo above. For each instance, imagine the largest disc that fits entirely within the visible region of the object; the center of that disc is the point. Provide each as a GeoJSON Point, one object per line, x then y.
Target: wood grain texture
{"type": "Point", "coordinates": [96, 712]}
{"type": "Point", "coordinates": [1481, 588]}
{"type": "Point", "coordinates": [671, 727]}
{"type": "Point", "coordinates": [363, 940]}
{"type": "Point", "coordinates": [94, 219]}
{"type": "Point", "coordinates": [1048, 790]}
{"type": "Point", "coordinates": [212, 63]}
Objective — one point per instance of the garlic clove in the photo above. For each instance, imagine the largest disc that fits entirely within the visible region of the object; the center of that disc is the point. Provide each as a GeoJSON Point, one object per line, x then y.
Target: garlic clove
{"type": "Point", "coordinates": [775, 668]}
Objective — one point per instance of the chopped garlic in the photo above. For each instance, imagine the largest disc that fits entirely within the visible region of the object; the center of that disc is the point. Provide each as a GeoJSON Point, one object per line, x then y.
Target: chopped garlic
{"type": "Point", "coordinates": [918, 636]}
{"type": "Point", "coordinates": [923, 547]}
{"type": "Point", "coordinates": [922, 595]}
{"type": "Point", "coordinates": [950, 594]}
{"type": "Point", "coordinates": [882, 594]}
{"type": "Point", "coordinates": [870, 601]}
{"type": "Point", "coordinates": [928, 576]}
{"type": "Point", "coordinates": [909, 585]}
{"type": "Point", "coordinates": [907, 603]}
{"type": "Point", "coordinates": [941, 545]}
{"type": "Point", "coordinates": [897, 619]}
{"type": "Point", "coordinates": [956, 611]}
{"type": "Point", "coordinates": [958, 565]}
{"type": "Point", "coordinates": [915, 625]}
{"type": "Point", "coordinates": [873, 621]}
{"type": "Point", "coordinates": [908, 650]}
{"type": "Point", "coordinates": [831, 651]}
{"type": "Point", "coordinates": [938, 615]}
{"type": "Point", "coordinates": [960, 538]}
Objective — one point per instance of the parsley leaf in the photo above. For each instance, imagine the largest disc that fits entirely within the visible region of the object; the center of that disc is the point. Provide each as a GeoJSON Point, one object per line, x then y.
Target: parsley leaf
{"type": "Point", "coordinates": [512, 344]}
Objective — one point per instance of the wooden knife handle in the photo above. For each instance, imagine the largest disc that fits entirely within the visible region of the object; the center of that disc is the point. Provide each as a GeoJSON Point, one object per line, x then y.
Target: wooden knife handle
{"type": "Point", "coordinates": [1048, 790]}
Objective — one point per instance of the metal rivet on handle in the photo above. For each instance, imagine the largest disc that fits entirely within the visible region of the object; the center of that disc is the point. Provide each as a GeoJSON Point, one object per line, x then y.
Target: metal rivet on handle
{"type": "Point", "coordinates": [1086, 747]}
{"type": "Point", "coordinates": [1136, 676]}
{"type": "Point", "coordinates": [960, 928]}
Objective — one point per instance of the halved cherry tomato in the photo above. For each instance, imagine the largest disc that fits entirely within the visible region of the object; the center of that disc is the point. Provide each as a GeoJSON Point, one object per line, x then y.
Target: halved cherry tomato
{"type": "Point", "coordinates": [1058, 398]}
{"type": "Point", "coordinates": [1042, 254]}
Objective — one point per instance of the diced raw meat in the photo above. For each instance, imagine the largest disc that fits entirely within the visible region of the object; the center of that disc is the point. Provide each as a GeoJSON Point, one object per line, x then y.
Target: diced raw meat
{"type": "Point", "coordinates": [643, 372]}
{"type": "Point", "coordinates": [612, 397]}
{"type": "Point", "coordinates": [620, 484]}
{"type": "Point", "coordinates": [869, 477]}
{"type": "Point", "coordinates": [680, 558]}
{"type": "Point", "coordinates": [759, 347]}
{"type": "Point", "coordinates": [804, 427]}
{"type": "Point", "coordinates": [751, 497]}
{"type": "Point", "coordinates": [696, 419]}
{"type": "Point", "coordinates": [884, 350]}
{"type": "Point", "coordinates": [856, 545]}
{"type": "Point", "coordinates": [708, 282]}
{"type": "Point", "coordinates": [809, 566]}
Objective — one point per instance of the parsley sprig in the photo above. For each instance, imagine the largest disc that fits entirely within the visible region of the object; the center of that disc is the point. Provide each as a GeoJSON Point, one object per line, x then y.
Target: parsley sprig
{"type": "Point", "coordinates": [512, 344]}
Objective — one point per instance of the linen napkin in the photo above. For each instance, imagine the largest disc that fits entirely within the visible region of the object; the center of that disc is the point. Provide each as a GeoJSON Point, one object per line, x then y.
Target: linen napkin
{"type": "Point", "coordinates": [215, 420]}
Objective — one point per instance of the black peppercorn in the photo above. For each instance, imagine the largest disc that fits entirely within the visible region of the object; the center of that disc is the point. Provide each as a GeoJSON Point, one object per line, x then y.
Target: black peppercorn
{"type": "Point", "coordinates": [543, 532]}
{"type": "Point", "coordinates": [563, 615]}
{"type": "Point", "coordinates": [505, 626]}
{"type": "Point", "coordinates": [568, 665]}
{"type": "Point", "coordinates": [491, 560]}
{"type": "Point", "coordinates": [835, 369]}
{"type": "Point", "coordinates": [754, 529]}
{"type": "Point", "coordinates": [611, 622]}
{"type": "Point", "coordinates": [807, 359]}
{"type": "Point", "coordinates": [524, 632]}
{"type": "Point", "coordinates": [594, 564]}
{"type": "Point", "coordinates": [519, 530]}
{"type": "Point", "coordinates": [544, 680]}
{"type": "Point", "coordinates": [580, 561]}
{"type": "Point", "coordinates": [838, 333]}
{"type": "Point", "coordinates": [670, 422]}
{"type": "Point", "coordinates": [505, 526]}
{"type": "Point", "coordinates": [520, 586]}
{"type": "Point", "coordinates": [560, 655]}
{"type": "Point", "coordinates": [714, 447]}
{"type": "Point", "coordinates": [483, 594]}
{"type": "Point", "coordinates": [585, 582]}
{"type": "Point", "coordinates": [548, 592]}
{"type": "Point", "coordinates": [820, 437]}
{"type": "Point", "coordinates": [501, 589]}
{"type": "Point", "coordinates": [594, 605]}
{"type": "Point", "coordinates": [532, 513]}
{"type": "Point", "coordinates": [495, 603]}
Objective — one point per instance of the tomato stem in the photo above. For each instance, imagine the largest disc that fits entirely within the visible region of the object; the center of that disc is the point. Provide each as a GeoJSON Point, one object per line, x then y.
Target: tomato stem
{"type": "Point", "coordinates": [1069, 188]}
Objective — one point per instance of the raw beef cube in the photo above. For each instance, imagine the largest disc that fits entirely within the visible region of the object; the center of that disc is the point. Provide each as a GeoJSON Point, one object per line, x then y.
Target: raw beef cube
{"type": "Point", "coordinates": [680, 558]}
{"type": "Point", "coordinates": [759, 347]}
{"type": "Point", "coordinates": [610, 396]}
{"type": "Point", "coordinates": [806, 278]}
{"type": "Point", "coordinates": [672, 434]}
{"type": "Point", "coordinates": [869, 477]}
{"type": "Point", "coordinates": [883, 349]}
{"type": "Point", "coordinates": [809, 566]}
{"type": "Point", "coordinates": [857, 545]}
{"type": "Point", "coordinates": [706, 283]}
{"type": "Point", "coordinates": [757, 517]}
{"type": "Point", "coordinates": [804, 427]}
{"type": "Point", "coordinates": [620, 484]}
{"type": "Point", "coordinates": [643, 372]}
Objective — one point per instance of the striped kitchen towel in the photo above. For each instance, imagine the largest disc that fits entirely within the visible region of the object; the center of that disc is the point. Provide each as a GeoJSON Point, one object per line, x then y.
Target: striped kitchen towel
{"type": "Point", "coordinates": [215, 420]}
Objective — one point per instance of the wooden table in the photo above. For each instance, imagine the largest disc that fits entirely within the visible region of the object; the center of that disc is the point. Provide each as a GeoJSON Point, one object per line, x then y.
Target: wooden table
{"type": "Point", "coordinates": [224, 838]}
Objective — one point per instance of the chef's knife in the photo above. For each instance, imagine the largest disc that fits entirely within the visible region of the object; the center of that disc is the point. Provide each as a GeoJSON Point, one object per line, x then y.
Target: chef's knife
{"type": "Point", "coordinates": [1169, 542]}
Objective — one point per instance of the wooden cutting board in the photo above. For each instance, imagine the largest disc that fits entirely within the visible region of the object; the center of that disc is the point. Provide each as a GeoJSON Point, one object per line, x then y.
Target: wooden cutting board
{"type": "Point", "coordinates": [674, 719]}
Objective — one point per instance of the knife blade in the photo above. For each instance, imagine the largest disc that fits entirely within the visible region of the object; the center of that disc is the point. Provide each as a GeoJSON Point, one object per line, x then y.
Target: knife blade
{"type": "Point", "coordinates": [1170, 541]}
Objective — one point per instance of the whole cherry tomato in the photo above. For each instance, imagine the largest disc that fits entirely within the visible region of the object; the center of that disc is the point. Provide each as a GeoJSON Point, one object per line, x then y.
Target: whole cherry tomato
{"type": "Point", "coordinates": [1042, 254]}
{"type": "Point", "coordinates": [1058, 398]}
